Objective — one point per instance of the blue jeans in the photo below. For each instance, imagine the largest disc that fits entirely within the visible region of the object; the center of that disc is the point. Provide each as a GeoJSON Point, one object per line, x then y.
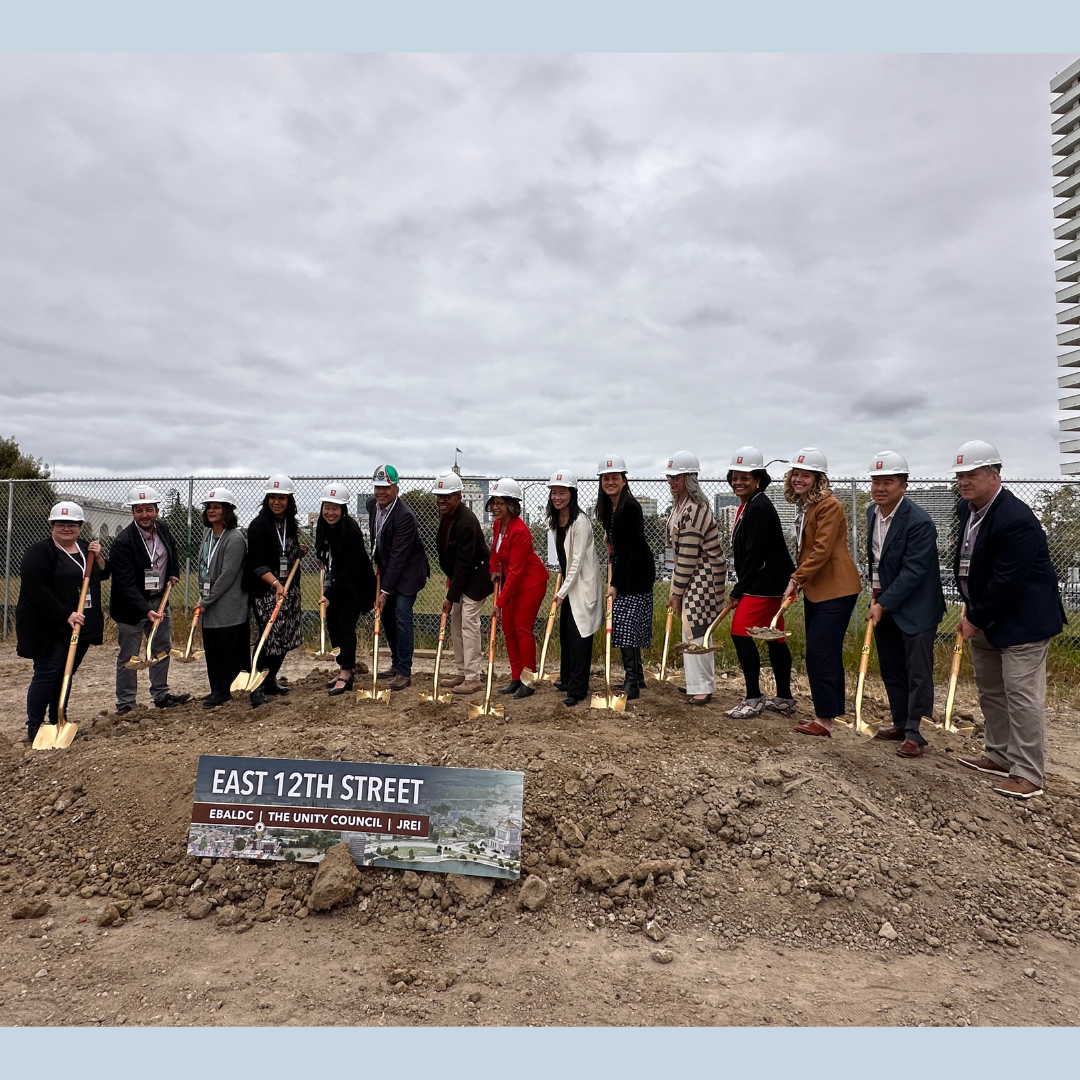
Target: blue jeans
{"type": "Point", "coordinates": [826, 623]}
{"type": "Point", "coordinates": [397, 621]}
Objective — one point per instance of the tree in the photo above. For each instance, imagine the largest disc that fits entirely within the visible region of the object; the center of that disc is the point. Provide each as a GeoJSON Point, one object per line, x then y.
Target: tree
{"type": "Point", "coordinates": [426, 508]}
{"type": "Point", "coordinates": [290, 856]}
{"type": "Point", "coordinates": [1058, 510]}
{"type": "Point", "coordinates": [174, 511]}
{"type": "Point", "coordinates": [31, 500]}
{"type": "Point", "coordinates": [239, 843]}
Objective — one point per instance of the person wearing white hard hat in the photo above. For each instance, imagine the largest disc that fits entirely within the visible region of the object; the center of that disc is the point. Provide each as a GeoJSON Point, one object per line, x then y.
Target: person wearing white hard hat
{"type": "Point", "coordinates": [698, 570]}
{"type": "Point", "coordinates": [273, 547]}
{"type": "Point", "coordinates": [633, 570]}
{"type": "Point", "coordinates": [763, 566]}
{"type": "Point", "coordinates": [463, 558]}
{"type": "Point", "coordinates": [580, 596]}
{"type": "Point", "coordinates": [908, 601]}
{"type": "Point", "coordinates": [1013, 608]}
{"type": "Point", "coordinates": [829, 580]}
{"type": "Point", "coordinates": [398, 552]}
{"type": "Point", "coordinates": [523, 581]}
{"type": "Point", "coordinates": [144, 560]}
{"type": "Point", "coordinates": [349, 580]}
{"type": "Point", "coordinates": [223, 604]}
{"type": "Point", "coordinates": [50, 579]}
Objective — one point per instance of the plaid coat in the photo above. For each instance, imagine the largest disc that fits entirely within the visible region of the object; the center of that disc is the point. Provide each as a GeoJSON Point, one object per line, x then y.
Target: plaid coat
{"type": "Point", "coordinates": [700, 571]}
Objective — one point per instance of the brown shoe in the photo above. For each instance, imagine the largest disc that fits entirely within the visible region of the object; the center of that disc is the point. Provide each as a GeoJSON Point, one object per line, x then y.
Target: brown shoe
{"type": "Point", "coordinates": [1016, 787]}
{"type": "Point", "coordinates": [983, 764]}
{"type": "Point", "coordinates": [909, 748]}
{"type": "Point", "coordinates": [890, 733]}
{"type": "Point", "coordinates": [469, 688]}
{"type": "Point", "coordinates": [399, 682]}
{"type": "Point", "coordinates": [451, 680]}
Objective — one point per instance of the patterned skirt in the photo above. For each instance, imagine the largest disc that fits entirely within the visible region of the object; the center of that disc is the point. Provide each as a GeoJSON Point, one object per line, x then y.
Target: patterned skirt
{"type": "Point", "coordinates": [631, 621]}
{"type": "Point", "coordinates": [286, 632]}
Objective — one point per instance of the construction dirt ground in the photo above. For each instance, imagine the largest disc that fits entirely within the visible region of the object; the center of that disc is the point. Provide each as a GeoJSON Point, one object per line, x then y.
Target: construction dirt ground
{"type": "Point", "coordinates": [690, 870]}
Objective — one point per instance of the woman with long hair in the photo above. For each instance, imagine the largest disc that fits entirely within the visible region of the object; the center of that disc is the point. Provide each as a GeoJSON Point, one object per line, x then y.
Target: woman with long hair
{"type": "Point", "coordinates": [698, 571]}
{"type": "Point", "coordinates": [633, 570]}
{"type": "Point", "coordinates": [223, 604]}
{"type": "Point", "coordinates": [273, 546]}
{"type": "Point", "coordinates": [582, 587]}
{"type": "Point", "coordinates": [349, 587]}
{"type": "Point", "coordinates": [829, 580]}
{"type": "Point", "coordinates": [523, 581]}
{"type": "Point", "coordinates": [763, 566]}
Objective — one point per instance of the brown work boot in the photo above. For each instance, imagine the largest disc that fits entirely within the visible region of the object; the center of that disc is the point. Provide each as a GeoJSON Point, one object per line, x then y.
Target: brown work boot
{"type": "Point", "coordinates": [469, 688]}
{"type": "Point", "coordinates": [909, 748]}
{"type": "Point", "coordinates": [892, 733]}
{"type": "Point", "coordinates": [1016, 787]}
{"type": "Point", "coordinates": [451, 680]}
{"type": "Point", "coordinates": [983, 764]}
{"type": "Point", "coordinates": [399, 682]}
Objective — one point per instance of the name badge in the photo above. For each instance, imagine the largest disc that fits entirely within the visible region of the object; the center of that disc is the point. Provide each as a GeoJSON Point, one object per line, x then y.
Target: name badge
{"type": "Point", "coordinates": [89, 601]}
{"type": "Point", "coordinates": [669, 558]}
{"type": "Point", "coordinates": [151, 581]}
{"type": "Point", "coordinates": [965, 565]}
{"type": "Point", "coordinates": [283, 568]}
{"type": "Point", "coordinates": [205, 589]}
{"type": "Point", "coordinates": [875, 582]}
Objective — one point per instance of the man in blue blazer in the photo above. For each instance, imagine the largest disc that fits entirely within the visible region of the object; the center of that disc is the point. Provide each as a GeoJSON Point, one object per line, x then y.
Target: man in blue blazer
{"type": "Point", "coordinates": [901, 552]}
{"type": "Point", "coordinates": [1013, 608]}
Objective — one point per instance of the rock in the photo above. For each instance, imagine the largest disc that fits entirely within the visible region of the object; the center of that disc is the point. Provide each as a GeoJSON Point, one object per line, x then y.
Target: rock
{"type": "Point", "coordinates": [153, 898]}
{"type": "Point", "coordinates": [274, 897]}
{"type": "Point", "coordinates": [31, 909]}
{"type": "Point", "coordinates": [399, 988]}
{"type": "Point", "coordinates": [654, 931]}
{"type": "Point", "coordinates": [199, 908]}
{"type": "Point", "coordinates": [605, 870]}
{"type": "Point", "coordinates": [1029, 973]}
{"type": "Point", "coordinates": [410, 880]}
{"type": "Point", "coordinates": [427, 888]}
{"type": "Point", "coordinates": [468, 889]}
{"type": "Point", "coordinates": [570, 834]}
{"type": "Point", "coordinates": [124, 907]}
{"type": "Point", "coordinates": [219, 872]}
{"type": "Point", "coordinates": [656, 867]}
{"type": "Point", "coordinates": [110, 914]}
{"type": "Point", "coordinates": [757, 829]}
{"type": "Point", "coordinates": [933, 942]}
{"type": "Point", "coordinates": [713, 821]}
{"type": "Point", "coordinates": [988, 934]}
{"type": "Point", "coordinates": [228, 916]}
{"type": "Point", "coordinates": [533, 893]}
{"type": "Point", "coordinates": [336, 880]}
{"type": "Point", "coordinates": [887, 932]}
{"type": "Point", "coordinates": [474, 997]}
{"type": "Point", "coordinates": [663, 956]}
{"type": "Point", "coordinates": [690, 838]}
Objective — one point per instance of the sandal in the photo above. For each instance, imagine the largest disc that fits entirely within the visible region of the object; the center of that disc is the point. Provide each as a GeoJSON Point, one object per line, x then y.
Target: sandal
{"type": "Point", "coordinates": [812, 727]}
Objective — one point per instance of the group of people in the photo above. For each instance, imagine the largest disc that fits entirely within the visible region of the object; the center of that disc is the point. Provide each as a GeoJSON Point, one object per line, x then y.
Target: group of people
{"type": "Point", "coordinates": [250, 589]}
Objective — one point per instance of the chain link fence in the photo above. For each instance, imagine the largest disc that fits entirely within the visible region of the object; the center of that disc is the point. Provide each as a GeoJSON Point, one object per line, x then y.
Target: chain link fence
{"type": "Point", "coordinates": [1056, 502]}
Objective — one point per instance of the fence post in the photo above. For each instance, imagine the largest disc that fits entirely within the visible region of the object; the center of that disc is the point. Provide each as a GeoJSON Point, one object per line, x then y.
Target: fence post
{"type": "Point", "coordinates": [7, 554]}
{"type": "Point", "coordinates": [855, 553]}
{"type": "Point", "coordinates": [187, 560]}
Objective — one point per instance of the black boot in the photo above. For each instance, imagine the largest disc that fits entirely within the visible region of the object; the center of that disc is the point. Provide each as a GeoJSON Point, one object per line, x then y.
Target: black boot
{"type": "Point", "coordinates": [639, 670]}
{"type": "Point", "coordinates": [512, 687]}
{"type": "Point", "coordinates": [630, 680]}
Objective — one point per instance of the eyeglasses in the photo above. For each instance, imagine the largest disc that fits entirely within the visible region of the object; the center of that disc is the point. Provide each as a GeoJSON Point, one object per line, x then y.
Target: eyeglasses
{"type": "Point", "coordinates": [67, 524]}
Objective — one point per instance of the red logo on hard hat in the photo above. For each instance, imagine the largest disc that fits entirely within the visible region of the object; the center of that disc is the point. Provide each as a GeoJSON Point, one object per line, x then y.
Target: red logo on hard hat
{"type": "Point", "coordinates": [801, 458]}
{"type": "Point", "coordinates": [212, 494]}
{"type": "Point", "coordinates": [277, 483]}
{"type": "Point", "coordinates": [558, 476]}
{"type": "Point", "coordinates": [959, 459]}
{"type": "Point", "coordinates": [879, 465]}
{"type": "Point", "coordinates": [609, 464]}
{"type": "Point", "coordinates": [671, 463]}
{"type": "Point", "coordinates": [738, 460]}
{"type": "Point", "coordinates": [64, 511]}
{"type": "Point", "coordinates": [142, 494]}
{"type": "Point", "coordinates": [333, 491]}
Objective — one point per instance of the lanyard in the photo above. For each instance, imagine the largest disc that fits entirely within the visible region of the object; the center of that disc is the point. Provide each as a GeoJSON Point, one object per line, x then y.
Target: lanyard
{"type": "Point", "coordinates": [80, 562]}
{"type": "Point", "coordinates": [151, 552]}
{"type": "Point", "coordinates": [380, 522]}
{"type": "Point", "coordinates": [281, 535]}
{"type": "Point", "coordinates": [211, 547]}
{"type": "Point", "coordinates": [800, 525]}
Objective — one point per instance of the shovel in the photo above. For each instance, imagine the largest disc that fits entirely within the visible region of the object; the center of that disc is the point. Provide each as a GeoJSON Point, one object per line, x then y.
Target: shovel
{"type": "Point", "coordinates": [136, 663]}
{"type": "Point", "coordinates": [770, 633]}
{"type": "Point", "coordinates": [661, 673]}
{"type": "Point", "coordinates": [529, 677]}
{"type": "Point", "coordinates": [187, 656]}
{"type": "Point", "coordinates": [247, 681]}
{"type": "Point", "coordinates": [705, 647]}
{"type": "Point", "coordinates": [323, 653]}
{"type": "Point", "coordinates": [608, 700]}
{"type": "Point", "coordinates": [954, 674]}
{"type": "Point", "coordinates": [485, 707]}
{"type": "Point", "coordinates": [375, 694]}
{"type": "Point", "coordinates": [446, 698]}
{"type": "Point", "coordinates": [861, 727]}
{"type": "Point", "coordinates": [58, 736]}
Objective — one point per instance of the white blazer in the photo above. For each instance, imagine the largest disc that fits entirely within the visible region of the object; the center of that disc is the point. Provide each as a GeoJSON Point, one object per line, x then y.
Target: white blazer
{"type": "Point", "coordinates": [583, 584]}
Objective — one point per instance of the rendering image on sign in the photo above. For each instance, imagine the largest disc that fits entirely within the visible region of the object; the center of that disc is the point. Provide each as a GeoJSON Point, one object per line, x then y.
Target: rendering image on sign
{"type": "Point", "coordinates": [408, 817]}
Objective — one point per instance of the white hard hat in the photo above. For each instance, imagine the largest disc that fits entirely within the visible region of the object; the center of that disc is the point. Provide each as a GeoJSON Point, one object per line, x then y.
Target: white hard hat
{"type": "Point", "coordinates": [682, 461]}
{"type": "Point", "coordinates": [220, 495]}
{"type": "Point", "coordinates": [974, 454]}
{"type": "Point", "coordinates": [141, 495]}
{"type": "Point", "coordinates": [446, 483]}
{"type": "Point", "coordinates": [810, 459]}
{"type": "Point", "coordinates": [384, 476]}
{"type": "Point", "coordinates": [563, 478]}
{"type": "Point", "coordinates": [504, 488]}
{"type": "Point", "coordinates": [67, 511]}
{"type": "Point", "coordinates": [747, 459]}
{"type": "Point", "coordinates": [888, 463]}
{"type": "Point", "coordinates": [336, 493]}
{"type": "Point", "coordinates": [279, 484]}
{"type": "Point", "coordinates": [612, 463]}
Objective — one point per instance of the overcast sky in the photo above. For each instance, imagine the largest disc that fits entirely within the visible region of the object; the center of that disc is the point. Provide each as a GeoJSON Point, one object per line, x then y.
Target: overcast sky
{"type": "Point", "coordinates": [246, 264]}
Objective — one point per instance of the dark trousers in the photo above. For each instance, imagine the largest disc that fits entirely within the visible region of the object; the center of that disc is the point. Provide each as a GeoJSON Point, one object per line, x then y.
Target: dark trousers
{"type": "Point", "coordinates": [826, 623]}
{"type": "Point", "coordinates": [341, 618]}
{"type": "Point", "coordinates": [227, 653]}
{"type": "Point", "coordinates": [397, 621]}
{"type": "Point", "coordinates": [906, 662]}
{"type": "Point", "coordinates": [746, 649]}
{"type": "Point", "coordinates": [575, 655]}
{"type": "Point", "coordinates": [44, 690]}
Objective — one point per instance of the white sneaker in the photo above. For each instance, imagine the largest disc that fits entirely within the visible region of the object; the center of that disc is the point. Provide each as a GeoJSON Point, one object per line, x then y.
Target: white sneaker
{"type": "Point", "coordinates": [746, 708]}
{"type": "Point", "coordinates": [785, 706]}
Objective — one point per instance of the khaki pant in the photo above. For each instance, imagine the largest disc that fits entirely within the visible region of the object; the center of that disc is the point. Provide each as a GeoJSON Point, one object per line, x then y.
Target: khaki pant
{"type": "Point", "coordinates": [132, 642]}
{"type": "Point", "coordinates": [465, 631]}
{"type": "Point", "coordinates": [1012, 695]}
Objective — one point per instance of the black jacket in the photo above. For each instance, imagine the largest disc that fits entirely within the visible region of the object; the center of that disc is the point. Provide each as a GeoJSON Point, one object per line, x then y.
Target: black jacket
{"type": "Point", "coordinates": [42, 612]}
{"type": "Point", "coordinates": [464, 557]}
{"type": "Point", "coordinates": [633, 568]}
{"type": "Point", "coordinates": [763, 563]}
{"type": "Point", "coordinates": [128, 600]}
{"type": "Point", "coordinates": [908, 570]}
{"type": "Point", "coordinates": [1012, 590]}
{"type": "Point", "coordinates": [350, 578]}
{"type": "Point", "coordinates": [399, 554]}
{"type": "Point", "coordinates": [264, 553]}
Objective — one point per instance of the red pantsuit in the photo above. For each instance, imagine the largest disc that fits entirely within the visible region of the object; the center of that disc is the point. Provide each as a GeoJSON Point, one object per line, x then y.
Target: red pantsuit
{"type": "Point", "coordinates": [524, 583]}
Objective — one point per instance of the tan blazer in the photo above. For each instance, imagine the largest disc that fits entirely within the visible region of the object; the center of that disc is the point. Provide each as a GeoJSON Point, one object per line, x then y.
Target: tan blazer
{"type": "Point", "coordinates": [825, 568]}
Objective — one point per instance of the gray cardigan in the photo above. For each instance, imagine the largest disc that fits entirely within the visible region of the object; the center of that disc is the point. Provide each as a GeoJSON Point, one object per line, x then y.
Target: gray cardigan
{"type": "Point", "coordinates": [227, 603]}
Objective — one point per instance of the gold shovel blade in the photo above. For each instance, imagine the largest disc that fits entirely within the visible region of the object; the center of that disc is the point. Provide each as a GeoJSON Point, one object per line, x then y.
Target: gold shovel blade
{"type": "Point", "coordinates": [617, 702]}
{"type": "Point", "coordinates": [45, 739]}
{"type": "Point", "coordinates": [476, 709]}
{"type": "Point", "coordinates": [528, 677]}
{"type": "Point", "coordinates": [767, 633]}
{"type": "Point", "coordinates": [65, 733]}
{"type": "Point", "coordinates": [599, 701]}
{"type": "Point", "coordinates": [373, 695]}
{"type": "Point", "coordinates": [240, 683]}
{"type": "Point", "coordinates": [959, 729]}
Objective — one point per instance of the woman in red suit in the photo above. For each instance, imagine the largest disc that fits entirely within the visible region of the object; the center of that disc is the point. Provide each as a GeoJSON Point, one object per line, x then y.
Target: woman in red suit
{"type": "Point", "coordinates": [523, 581]}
